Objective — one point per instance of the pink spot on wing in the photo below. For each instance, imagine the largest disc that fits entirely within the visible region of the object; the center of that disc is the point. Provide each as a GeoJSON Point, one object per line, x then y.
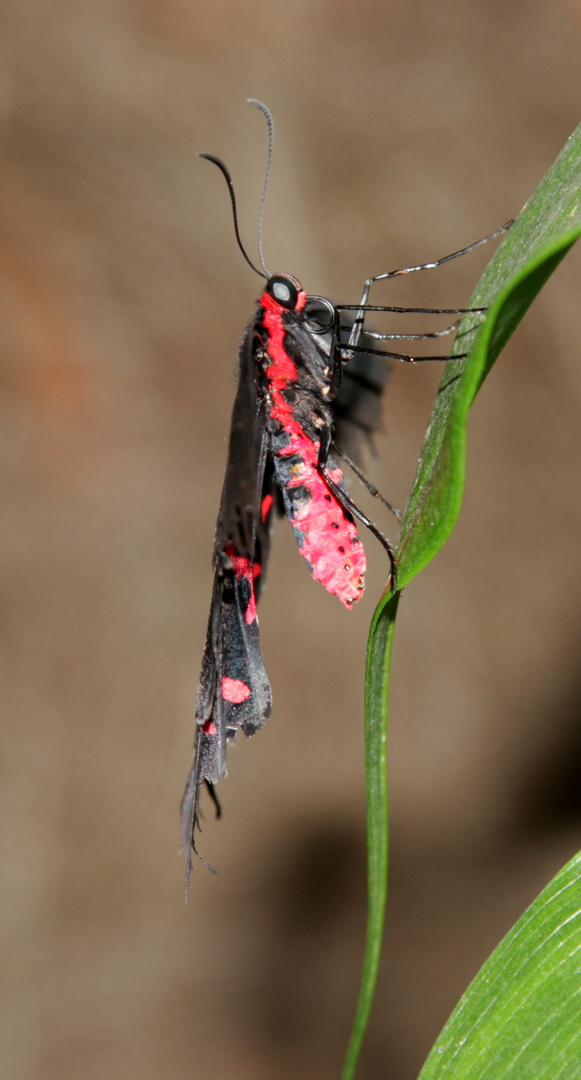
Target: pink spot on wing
{"type": "Point", "coordinates": [265, 506]}
{"type": "Point", "coordinates": [244, 568]}
{"type": "Point", "coordinates": [234, 690]}
{"type": "Point", "coordinates": [209, 728]}
{"type": "Point", "coordinates": [250, 615]}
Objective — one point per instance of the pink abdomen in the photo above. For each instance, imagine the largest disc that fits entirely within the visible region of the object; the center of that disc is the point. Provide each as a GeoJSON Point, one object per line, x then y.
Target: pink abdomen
{"type": "Point", "coordinates": [326, 536]}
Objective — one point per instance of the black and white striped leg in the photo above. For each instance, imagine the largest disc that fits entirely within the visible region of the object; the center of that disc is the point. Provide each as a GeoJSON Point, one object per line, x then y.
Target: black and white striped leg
{"type": "Point", "coordinates": [364, 304]}
{"type": "Point", "coordinates": [367, 483]}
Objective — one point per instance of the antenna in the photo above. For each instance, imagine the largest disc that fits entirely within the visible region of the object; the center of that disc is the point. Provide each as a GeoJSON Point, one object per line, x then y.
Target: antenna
{"type": "Point", "coordinates": [226, 174]}
{"type": "Point", "coordinates": [223, 169]}
{"type": "Point", "coordinates": [268, 117]}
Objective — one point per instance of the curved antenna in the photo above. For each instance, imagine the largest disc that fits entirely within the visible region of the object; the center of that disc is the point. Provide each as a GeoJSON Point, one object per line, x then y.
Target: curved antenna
{"type": "Point", "coordinates": [268, 117]}
{"type": "Point", "coordinates": [223, 169]}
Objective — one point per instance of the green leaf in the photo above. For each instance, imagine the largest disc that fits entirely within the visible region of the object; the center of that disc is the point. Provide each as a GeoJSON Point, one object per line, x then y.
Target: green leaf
{"type": "Point", "coordinates": [548, 226]}
{"type": "Point", "coordinates": [521, 1017]}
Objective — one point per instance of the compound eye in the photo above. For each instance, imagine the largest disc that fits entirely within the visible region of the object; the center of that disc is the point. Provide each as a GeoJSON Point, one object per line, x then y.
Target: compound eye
{"type": "Point", "coordinates": [284, 290]}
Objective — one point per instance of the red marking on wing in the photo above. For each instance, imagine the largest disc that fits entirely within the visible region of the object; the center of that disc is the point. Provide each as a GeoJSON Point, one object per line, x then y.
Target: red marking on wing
{"type": "Point", "coordinates": [329, 540]}
{"type": "Point", "coordinates": [209, 728]}
{"type": "Point", "coordinates": [244, 568]}
{"type": "Point", "coordinates": [265, 506]}
{"type": "Point", "coordinates": [234, 690]}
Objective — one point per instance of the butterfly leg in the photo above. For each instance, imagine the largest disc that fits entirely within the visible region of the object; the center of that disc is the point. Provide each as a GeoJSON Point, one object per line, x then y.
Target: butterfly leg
{"type": "Point", "coordinates": [367, 483]}
{"type": "Point", "coordinates": [357, 328]}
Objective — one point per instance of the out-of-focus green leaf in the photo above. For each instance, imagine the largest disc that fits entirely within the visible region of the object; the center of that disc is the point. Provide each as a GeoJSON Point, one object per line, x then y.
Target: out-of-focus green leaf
{"type": "Point", "coordinates": [521, 1017]}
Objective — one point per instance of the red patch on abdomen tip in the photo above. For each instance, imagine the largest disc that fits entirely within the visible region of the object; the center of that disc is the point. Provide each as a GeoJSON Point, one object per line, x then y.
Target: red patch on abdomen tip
{"type": "Point", "coordinates": [234, 690]}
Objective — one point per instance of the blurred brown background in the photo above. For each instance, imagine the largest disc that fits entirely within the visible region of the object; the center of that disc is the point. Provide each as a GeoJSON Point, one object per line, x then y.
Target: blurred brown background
{"type": "Point", "coordinates": [404, 130]}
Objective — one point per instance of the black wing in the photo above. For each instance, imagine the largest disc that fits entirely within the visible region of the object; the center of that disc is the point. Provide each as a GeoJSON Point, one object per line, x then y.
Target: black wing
{"type": "Point", "coordinates": [234, 692]}
{"type": "Point", "coordinates": [240, 502]}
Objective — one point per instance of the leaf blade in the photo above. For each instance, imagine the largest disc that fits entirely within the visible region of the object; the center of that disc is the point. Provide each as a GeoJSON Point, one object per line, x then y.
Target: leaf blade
{"type": "Point", "coordinates": [546, 229]}
{"type": "Point", "coordinates": [519, 1019]}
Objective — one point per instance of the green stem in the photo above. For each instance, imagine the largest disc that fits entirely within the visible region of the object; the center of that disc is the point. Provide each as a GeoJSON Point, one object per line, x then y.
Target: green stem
{"type": "Point", "coordinates": [376, 696]}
